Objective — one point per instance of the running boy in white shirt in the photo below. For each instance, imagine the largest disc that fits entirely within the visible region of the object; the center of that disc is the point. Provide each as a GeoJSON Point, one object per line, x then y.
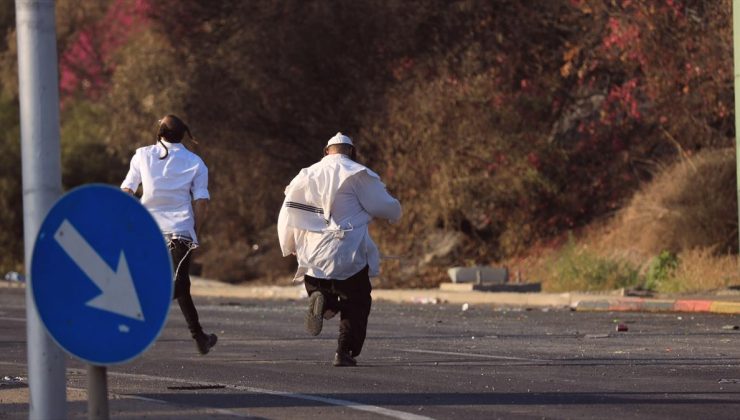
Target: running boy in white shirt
{"type": "Point", "coordinates": [175, 191]}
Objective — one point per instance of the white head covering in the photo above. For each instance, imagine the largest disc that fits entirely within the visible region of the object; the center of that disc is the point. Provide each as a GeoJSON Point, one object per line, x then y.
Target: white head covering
{"type": "Point", "coordinates": [339, 138]}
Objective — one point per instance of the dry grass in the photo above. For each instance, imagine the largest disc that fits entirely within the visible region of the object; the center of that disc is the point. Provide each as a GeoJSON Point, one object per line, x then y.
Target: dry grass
{"type": "Point", "coordinates": [702, 270]}
{"type": "Point", "coordinates": [689, 209]}
{"type": "Point", "coordinates": [691, 204]}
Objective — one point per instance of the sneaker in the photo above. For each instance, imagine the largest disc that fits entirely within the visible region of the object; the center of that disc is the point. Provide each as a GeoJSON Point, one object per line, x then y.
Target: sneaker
{"type": "Point", "coordinates": [342, 359]}
{"type": "Point", "coordinates": [205, 342]}
{"type": "Point", "coordinates": [314, 315]}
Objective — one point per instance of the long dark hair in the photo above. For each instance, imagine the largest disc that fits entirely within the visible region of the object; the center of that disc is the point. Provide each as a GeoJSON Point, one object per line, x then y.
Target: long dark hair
{"type": "Point", "coordinates": [172, 129]}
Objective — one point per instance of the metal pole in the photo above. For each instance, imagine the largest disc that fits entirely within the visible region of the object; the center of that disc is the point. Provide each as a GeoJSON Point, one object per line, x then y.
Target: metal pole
{"type": "Point", "coordinates": [97, 393]}
{"type": "Point", "coordinates": [736, 66]}
{"type": "Point", "coordinates": [42, 186]}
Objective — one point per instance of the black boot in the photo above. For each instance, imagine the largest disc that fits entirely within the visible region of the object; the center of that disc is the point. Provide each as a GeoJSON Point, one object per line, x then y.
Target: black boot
{"type": "Point", "coordinates": [342, 359]}
{"type": "Point", "coordinates": [205, 342]}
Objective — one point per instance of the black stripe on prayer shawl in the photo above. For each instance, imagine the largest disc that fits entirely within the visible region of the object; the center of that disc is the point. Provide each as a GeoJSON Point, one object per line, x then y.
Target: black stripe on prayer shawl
{"type": "Point", "coordinates": [304, 207]}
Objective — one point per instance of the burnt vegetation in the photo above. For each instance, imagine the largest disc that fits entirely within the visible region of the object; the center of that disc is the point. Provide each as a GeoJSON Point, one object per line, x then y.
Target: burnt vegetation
{"type": "Point", "coordinates": [500, 125]}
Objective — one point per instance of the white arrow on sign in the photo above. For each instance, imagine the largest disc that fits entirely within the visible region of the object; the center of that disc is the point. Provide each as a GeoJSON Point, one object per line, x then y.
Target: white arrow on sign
{"type": "Point", "coordinates": [118, 292]}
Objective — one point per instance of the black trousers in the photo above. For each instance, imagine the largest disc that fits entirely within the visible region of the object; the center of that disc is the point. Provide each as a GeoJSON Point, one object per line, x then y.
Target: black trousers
{"type": "Point", "coordinates": [181, 253]}
{"type": "Point", "coordinates": [351, 299]}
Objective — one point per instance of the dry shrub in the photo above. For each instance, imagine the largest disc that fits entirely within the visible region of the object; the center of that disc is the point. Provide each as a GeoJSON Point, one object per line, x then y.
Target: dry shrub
{"type": "Point", "coordinates": [702, 270]}
{"type": "Point", "coordinates": [256, 259]}
{"type": "Point", "coordinates": [690, 205]}
{"type": "Point", "coordinates": [689, 209]}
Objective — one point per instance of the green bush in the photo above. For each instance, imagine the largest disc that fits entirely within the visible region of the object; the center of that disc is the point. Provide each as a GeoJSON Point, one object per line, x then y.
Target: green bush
{"type": "Point", "coordinates": [86, 155]}
{"type": "Point", "coordinates": [661, 268]}
{"type": "Point", "coordinates": [578, 269]}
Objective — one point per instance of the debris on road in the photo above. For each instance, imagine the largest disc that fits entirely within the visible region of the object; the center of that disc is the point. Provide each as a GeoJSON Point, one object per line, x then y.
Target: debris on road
{"type": "Point", "coordinates": [596, 336]}
{"type": "Point", "coordinates": [12, 382]}
{"type": "Point", "coordinates": [465, 307]}
{"type": "Point", "coordinates": [622, 327]}
{"type": "Point", "coordinates": [15, 277]}
{"type": "Point", "coordinates": [729, 381]}
{"type": "Point", "coordinates": [731, 327]}
{"type": "Point", "coordinates": [426, 300]}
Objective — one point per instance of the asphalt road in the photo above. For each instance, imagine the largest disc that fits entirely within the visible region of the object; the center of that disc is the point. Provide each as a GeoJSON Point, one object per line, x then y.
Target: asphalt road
{"type": "Point", "coordinates": [420, 361]}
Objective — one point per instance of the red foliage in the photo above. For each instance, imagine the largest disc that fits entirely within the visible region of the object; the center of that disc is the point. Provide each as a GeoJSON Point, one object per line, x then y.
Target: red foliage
{"type": "Point", "coordinates": [87, 65]}
{"type": "Point", "coordinates": [622, 98]}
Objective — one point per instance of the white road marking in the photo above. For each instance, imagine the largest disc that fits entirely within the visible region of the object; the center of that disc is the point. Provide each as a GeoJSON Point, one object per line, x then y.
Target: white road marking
{"type": "Point", "coordinates": [10, 318]}
{"type": "Point", "coordinates": [163, 402]}
{"type": "Point", "coordinates": [331, 401]}
{"type": "Point", "coordinates": [483, 356]}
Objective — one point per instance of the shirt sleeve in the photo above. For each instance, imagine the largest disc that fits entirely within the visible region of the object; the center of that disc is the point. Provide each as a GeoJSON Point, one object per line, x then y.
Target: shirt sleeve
{"type": "Point", "coordinates": [133, 177]}
{"type": "Point", "coordinates": [286, 234]}
{"type": "Point", "coordinates": [374, 198]}
{"type": "Point", "coordinates": [199, 189]}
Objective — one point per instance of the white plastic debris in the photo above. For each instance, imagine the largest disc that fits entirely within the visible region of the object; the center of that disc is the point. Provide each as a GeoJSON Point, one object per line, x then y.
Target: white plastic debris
{"type": "Point", "coordinates": [14, 276]}
{"type": "Point", "coordinates": [426, 300]}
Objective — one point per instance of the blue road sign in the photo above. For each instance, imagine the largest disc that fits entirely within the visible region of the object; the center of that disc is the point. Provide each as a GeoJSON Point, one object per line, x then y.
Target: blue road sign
{"type": "Point", "coordinates": [101, 275]}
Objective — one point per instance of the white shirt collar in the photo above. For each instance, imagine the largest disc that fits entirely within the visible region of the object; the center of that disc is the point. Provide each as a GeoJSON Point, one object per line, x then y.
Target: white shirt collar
{"type": "Point", "coordinates": [335, 156]}
{"type": "Point", "coordinates": [171, 146]}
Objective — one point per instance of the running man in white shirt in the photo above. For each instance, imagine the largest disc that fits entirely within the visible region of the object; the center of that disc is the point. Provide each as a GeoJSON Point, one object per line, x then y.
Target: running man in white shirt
{"type": "Point", "coordinates": [324, 223]}
{"type": "Point", "coordinates": [175, 191]}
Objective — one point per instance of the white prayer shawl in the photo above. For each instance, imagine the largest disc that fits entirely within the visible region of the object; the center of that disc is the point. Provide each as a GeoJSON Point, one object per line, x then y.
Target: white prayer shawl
{"type": "Point", "coordinates": [325, 247]}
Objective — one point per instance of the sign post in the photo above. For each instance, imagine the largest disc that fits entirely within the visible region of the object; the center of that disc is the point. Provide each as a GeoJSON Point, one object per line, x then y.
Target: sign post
{"type": "Point", "coordinates": [736, 85]}
{"type": "Point", "coordinates": [38, 94]}
{"type": "Point", "coordinates": [101, 279]}
{"type": "Point", "coordinates": [97, 393]}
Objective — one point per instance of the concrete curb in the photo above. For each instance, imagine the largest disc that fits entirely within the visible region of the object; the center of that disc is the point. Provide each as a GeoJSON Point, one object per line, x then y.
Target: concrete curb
{"type": "Point", "coordinates": [203, 287]}
{"type": "Point", "coordinates": [576, 301]}
{"type": "Point", "coordinates": [660, 305]}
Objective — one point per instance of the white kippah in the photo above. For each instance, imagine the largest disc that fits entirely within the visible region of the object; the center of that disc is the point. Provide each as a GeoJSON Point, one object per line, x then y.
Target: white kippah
{"type": "Point", "coordinates": [340, 138]}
